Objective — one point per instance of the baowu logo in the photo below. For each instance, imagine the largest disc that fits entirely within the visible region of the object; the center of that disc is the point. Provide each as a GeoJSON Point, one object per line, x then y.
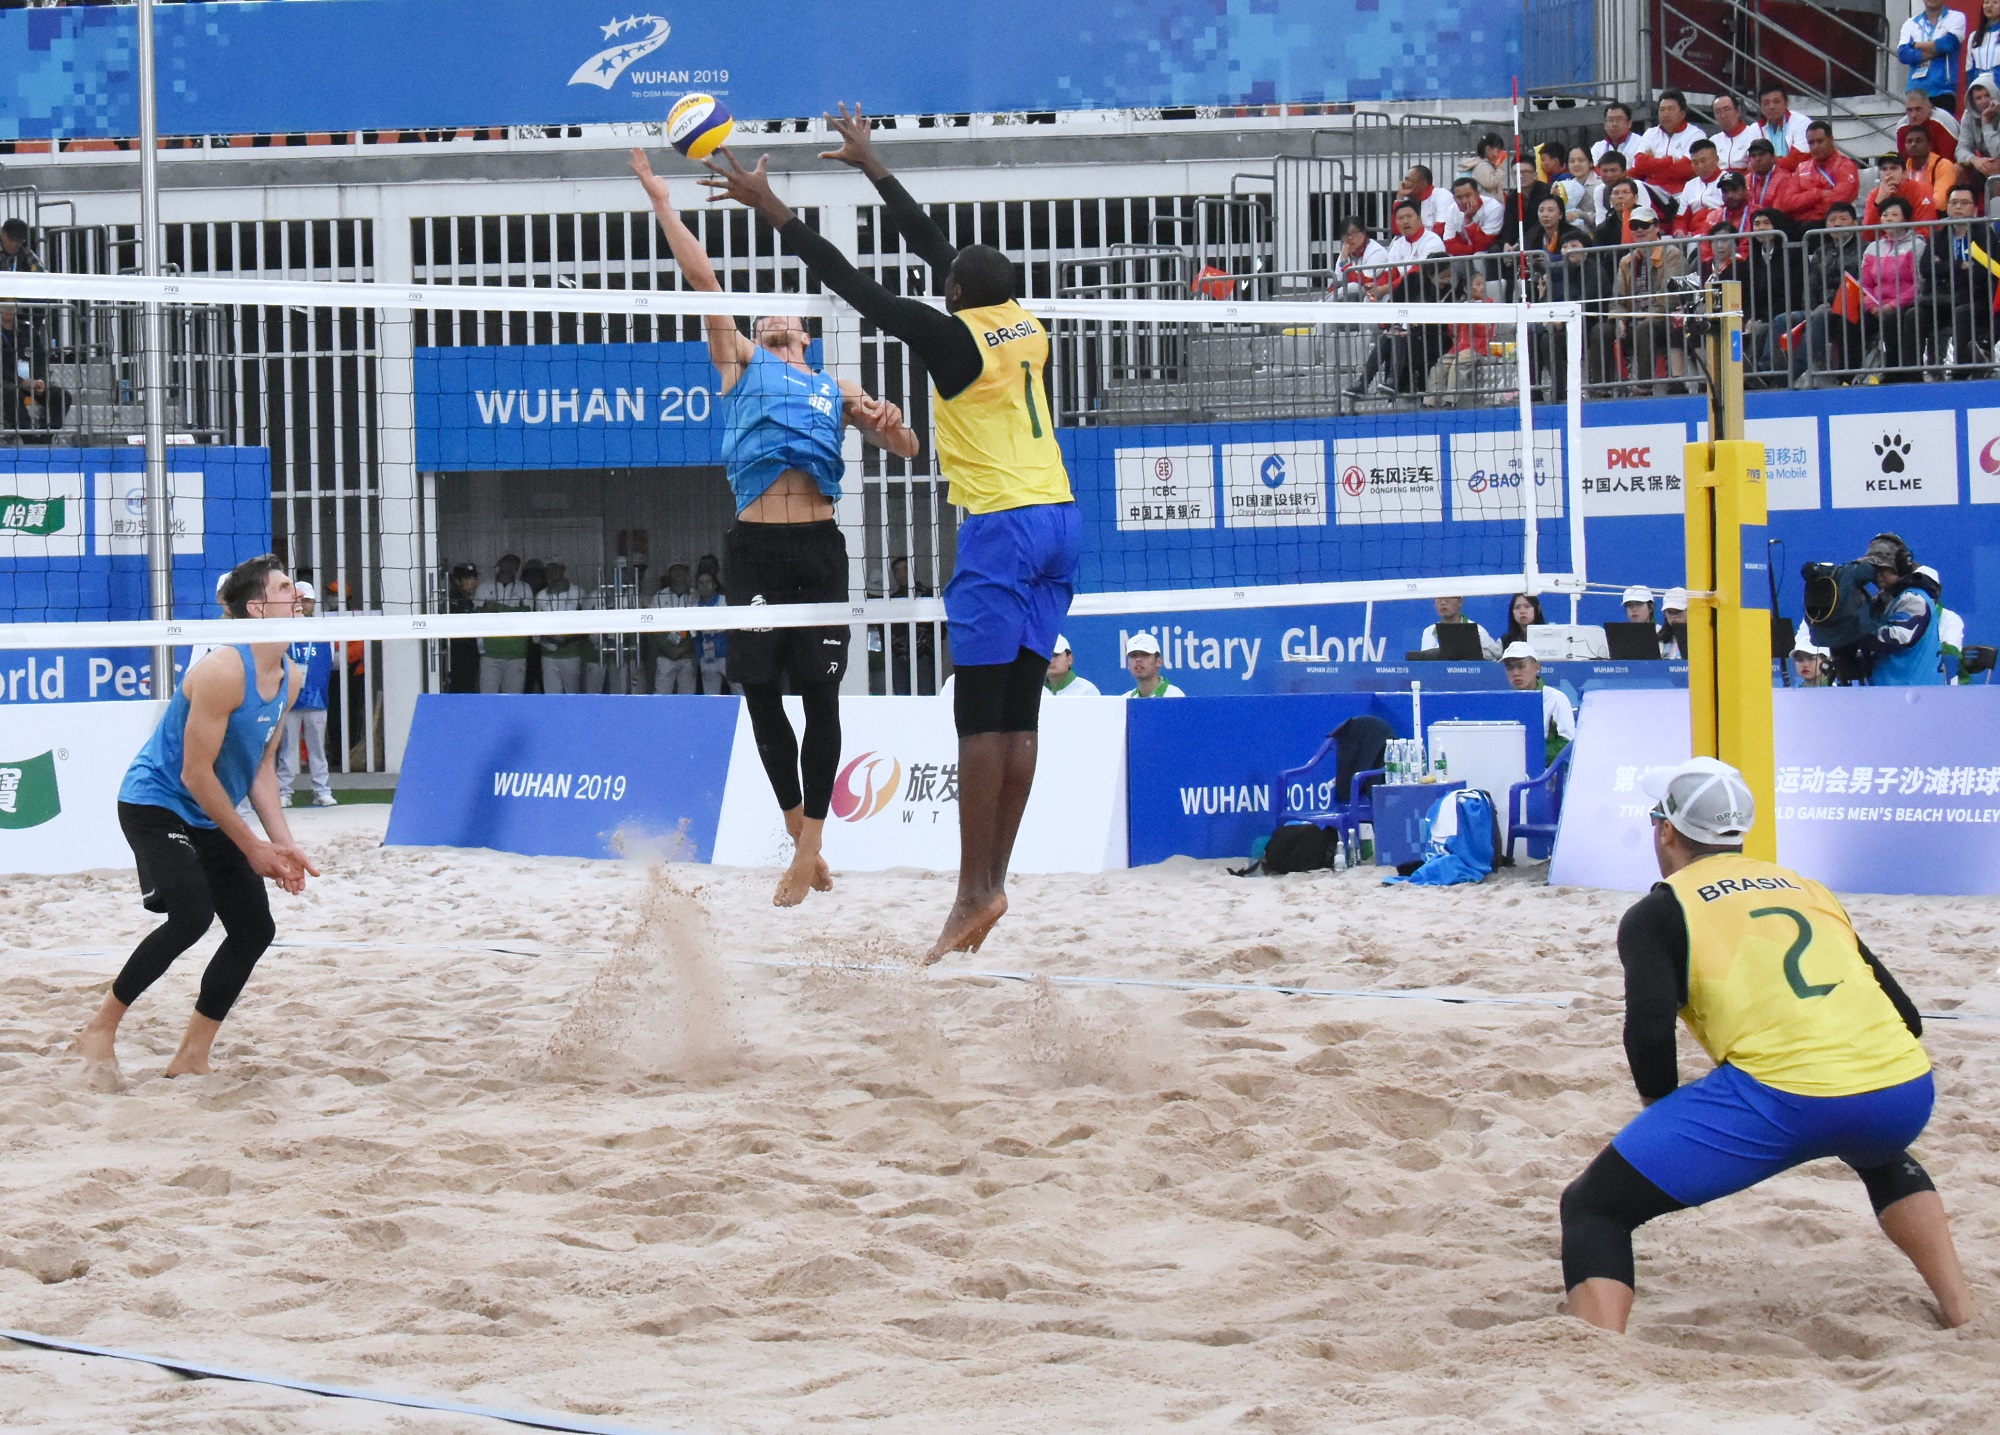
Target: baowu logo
{"type": "Point", "coordinates": [28, 793]}
{"type": "Point", "coordinates": [879, 779]}
{"type": "Point", "coordinates": [644, 34]}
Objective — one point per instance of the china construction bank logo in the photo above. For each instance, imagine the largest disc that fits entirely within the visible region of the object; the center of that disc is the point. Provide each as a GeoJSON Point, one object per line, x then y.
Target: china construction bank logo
{"type": "Point", "coordinates": [633, 38]}
{"type": "Point", "coordinates": [28, 793]}
{"type": "Point", "coordinates": [866, 786]}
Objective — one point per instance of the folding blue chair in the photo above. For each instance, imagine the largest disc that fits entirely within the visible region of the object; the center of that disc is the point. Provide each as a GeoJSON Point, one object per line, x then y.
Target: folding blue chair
{"type": "Point", "coordinates": [1324, 804]}
{"type": "Point", "coordinates": [1544, 795]}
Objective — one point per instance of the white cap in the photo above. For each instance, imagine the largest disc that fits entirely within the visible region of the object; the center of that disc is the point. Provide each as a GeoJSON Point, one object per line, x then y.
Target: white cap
{"type": "Point", "coordinates": [1637, 593]}
{"type": "Point", "coordinates": [1705, 799]}
{"type": "Point", "coordinates": [218, 586]}
{"type": "Point", "coordinates": [1062, 645]}
{"type": "Point", "coordinates": [1141, 642]}
{"type": "Point", "coordinates": [306, 589]}
{"type": "Point", "coordinates": [1675, 601]}
{"type": "Point", "coordinates": [1517, 650]}
{"type": "Point", "coordinates": [1926, 571]}
{"type": "Point", "coordinates": [1645, 214]}
{"type": "Point", "coordinates": [1802, 643]}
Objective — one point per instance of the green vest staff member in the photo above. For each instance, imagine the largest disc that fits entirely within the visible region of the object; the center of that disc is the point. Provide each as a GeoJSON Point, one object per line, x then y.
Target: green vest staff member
{"type": "Point", "coordinates": [1142, 660]}
{"type": "Point", "coordinates": [1815, 1049]}
{"type": "Point", "coordinates": [1524, 674]}
{"type": "Point", "coordinates": [1064, 681]}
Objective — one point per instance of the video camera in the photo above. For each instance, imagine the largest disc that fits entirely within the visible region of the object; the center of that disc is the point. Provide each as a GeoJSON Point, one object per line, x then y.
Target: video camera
{"type": "Point", "coordinates": [1840, 615]}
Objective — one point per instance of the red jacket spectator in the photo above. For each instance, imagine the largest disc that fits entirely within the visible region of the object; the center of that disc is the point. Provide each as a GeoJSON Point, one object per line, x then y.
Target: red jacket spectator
{"type": "Point", "coordinates": [1768, 187]}
{"type": "Point", "coordinates": [1923, 210]}
{"type": "Point", "coordinates": [1827, 176]}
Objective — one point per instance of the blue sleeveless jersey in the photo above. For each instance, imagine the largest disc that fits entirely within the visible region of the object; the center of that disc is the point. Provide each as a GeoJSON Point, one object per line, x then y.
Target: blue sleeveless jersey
{"type": "Point", "coordinates": [778, 417]}
{"type": "Point", "coordinates": [154, 778]}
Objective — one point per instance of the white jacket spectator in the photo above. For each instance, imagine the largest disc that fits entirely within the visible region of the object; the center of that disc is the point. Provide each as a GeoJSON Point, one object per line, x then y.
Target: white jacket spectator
{"type": "Point", "coordinates": [1487, 219]}
{"type": "Point", "coordinates": [1783, 126]}
{"type": "Point", "coordinates": [1699, 194]}
{"type": "Point", "coordinates": [1365, 265]}
{"type": "Point", "coordinates": [1405, 255]}
{"type": "Point", "coordinates": [1658, 144]}
{"type": "Point", "coordinates": [1732, 134]}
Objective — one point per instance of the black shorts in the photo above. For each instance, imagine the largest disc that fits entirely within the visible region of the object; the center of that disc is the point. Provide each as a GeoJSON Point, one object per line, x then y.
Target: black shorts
{"type": "Point", "coordinates": [786, 563]}
{"type": "Point", "coordinates": [174, 856]}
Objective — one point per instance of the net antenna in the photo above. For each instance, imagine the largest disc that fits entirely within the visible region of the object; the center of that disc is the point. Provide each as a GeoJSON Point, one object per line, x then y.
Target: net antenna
{"type": "Point", "coordinates": [1226, 454]}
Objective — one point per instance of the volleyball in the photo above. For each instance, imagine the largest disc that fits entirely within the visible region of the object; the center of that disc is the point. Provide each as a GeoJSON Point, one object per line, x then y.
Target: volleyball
{"type": "Point", "coordinates": [698, 125]}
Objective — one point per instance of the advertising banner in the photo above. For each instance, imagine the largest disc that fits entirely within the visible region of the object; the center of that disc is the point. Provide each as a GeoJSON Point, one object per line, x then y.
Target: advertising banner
{"type": "Point", "coordinates": [895, 801]}
{"type": "Point", "coordinates": [383, 64]}
{"type": "Point", "coordinates": [565, 776]}
{"type": "Point", "coordinates": [61, 765]}
{"type": "Point", "coordinates": [1879, 789]}
{"type": "Point", "coordinates": [1204, 770]}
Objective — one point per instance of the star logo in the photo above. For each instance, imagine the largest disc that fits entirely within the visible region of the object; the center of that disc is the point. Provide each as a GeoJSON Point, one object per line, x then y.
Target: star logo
{"type": "Point", "coordinates": [644, 34]}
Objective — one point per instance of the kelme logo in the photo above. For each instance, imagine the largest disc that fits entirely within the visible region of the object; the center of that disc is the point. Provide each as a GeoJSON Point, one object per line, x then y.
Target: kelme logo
{"type": "Point", "coordinates": [30, 517]}
{"type": "Point", "coordinates": [865, 786]}
{"type": "Point", "coordinates": [28, 795]}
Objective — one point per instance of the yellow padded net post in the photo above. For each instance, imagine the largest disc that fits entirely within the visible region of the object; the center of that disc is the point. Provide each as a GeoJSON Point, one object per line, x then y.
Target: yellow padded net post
{"type": "Point", "coordinates": [1728, 579]}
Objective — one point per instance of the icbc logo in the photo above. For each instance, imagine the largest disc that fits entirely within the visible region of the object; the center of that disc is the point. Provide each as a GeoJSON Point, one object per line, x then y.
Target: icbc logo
{"type": "Point", "coordinates": [1353, 480]}
{"type": "Point", "coordinates": [1163, 469]}
{"type": "Point", "coordinates": [1629, 457]}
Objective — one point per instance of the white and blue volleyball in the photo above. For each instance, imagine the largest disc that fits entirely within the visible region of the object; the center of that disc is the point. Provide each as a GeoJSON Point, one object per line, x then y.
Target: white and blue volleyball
{"type": "Point", "coordinates": [698, 126]}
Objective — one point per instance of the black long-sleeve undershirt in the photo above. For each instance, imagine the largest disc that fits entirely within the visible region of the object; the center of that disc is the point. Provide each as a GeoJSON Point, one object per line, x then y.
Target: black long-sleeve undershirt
{"type": "Point", "coordinates": [1653, 948]}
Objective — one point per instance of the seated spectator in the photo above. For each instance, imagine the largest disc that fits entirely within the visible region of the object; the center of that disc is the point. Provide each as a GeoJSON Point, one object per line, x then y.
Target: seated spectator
{"type": "Point", "coordinates": [1452, 610]}
{"type": "Point", "coordinates": [1675, 605]}
{"type": "Point", "coordinates": [1488, 168]}
{"type": "Point", "coordinates": [1958, 288]}
{"type": "Point", "coordinates": [1063, 680]}
{"type": "Point", "coordinates": [1552, 161]}
{"type": "Point", "coordinates": [1768, 187]}
{"type": "Point", "coordinates": [1457, 372]}
{"type": "Point", "coordinates": [1775, 292]}
{"type": "Point", "coordinates": [1621, 197]}
{"type": "Point", "coordinates": [1618, 135]}
{"type": "Point", "coordinates": [17, 250]}
{"type": "Point", "coordinates": [1906, 647]}
{"type": "Point", "coordinates": [1663, 161]}
{"type": "Point", "coordinates": [1142, 661]}
{"type": "Point", "coordinates": [1782, 125]}
{"type": "Point", "coordinates": [1982, 51]}
{"type": "Point", "coordinates": [673, 651]}
{"type": "Point", "coordinates": [1825, 175]}
{"type": "Point", "coordinates": [1833, 292]}
{"type": "Point", "coordinates": [1701, 196]}
{"type": "Point", "coordinates": [1933, 172]}
{"type": "Point", "coordinates": [1562, 278]}
{"type": "Point", "coordinates": [1517, 205]}
{"type": "Point", "coordinates": [1524, 675]}
{"type": "Point", "coordinates": [29, 403]}
{"type": "Point", "coordinates": [1475, 220]}
{"type": "Point", "coordinates": [1891, 284]}
{"type": "Point", "coordinates": [1433, 204]}
{"type": "Point", "coordinates": [1932, 44]}
{"type": "Point", "coordinates": [1721, 258]}
{"type": "Point", "coordinates": [1920, 113]}
{"type": "Point", "coordinates": [1609, 171]}
{"type": "Point", "coordinates": [1582, 192]}
{"type": "Point", "coordinates": [1524, 611]}
{"type": "Point", "coordinates": [1401, 357]}
{"type": "Point", "coordinates": [1978, 152]}
{"type": "Point", "coordinates": [1647, 279]}
{"type": "Point", "coordinates": [1638, 604]}
{"type": "Point", "coordinates": [1732, 134]}
{"type": "Point", "coordinates": [1735, 203]}
{"type": "Point", "coordinates": [1812, 663]}
{"type": "Point", "coordinates": [1552, 228]}
{"type": "Point", "coordinates": [1893, 179]}
{"type": "Point", "coordinates": [1361, 261]}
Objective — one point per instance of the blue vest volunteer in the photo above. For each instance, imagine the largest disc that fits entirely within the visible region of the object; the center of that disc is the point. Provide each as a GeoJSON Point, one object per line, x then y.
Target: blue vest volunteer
{"type": "Point", "coordinates": [1917, 664]}
{"type": "Point", "coordinates": [317, 659]}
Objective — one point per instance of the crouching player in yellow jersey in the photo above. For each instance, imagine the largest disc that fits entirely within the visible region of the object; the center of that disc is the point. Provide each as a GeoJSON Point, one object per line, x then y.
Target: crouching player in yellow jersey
{"type": "Point", "coordinates": [1815, 1047]}
{"type": "Point", "coordinates": [1018, 547]}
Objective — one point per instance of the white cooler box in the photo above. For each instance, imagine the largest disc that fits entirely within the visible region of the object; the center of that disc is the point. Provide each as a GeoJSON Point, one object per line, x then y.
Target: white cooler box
{"type": "Point", "coordinates": [1491, 756]}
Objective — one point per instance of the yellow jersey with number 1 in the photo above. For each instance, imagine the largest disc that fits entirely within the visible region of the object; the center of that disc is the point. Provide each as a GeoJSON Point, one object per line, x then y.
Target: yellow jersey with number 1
{"type": "Point", "coordinates": [996, 440]}
{"type": "Point", "coordinates": [1777, 985]}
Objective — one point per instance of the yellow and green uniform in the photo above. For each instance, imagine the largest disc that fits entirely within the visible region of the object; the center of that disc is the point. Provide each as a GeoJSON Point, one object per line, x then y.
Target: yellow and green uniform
{"type": "Point", "coordinates": [996, 437]}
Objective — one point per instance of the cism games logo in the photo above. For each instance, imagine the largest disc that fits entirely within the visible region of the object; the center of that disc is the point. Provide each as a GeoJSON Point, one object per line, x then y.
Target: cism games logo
{"type": "Point", "coordinates": [866, 786]}
{"type": "Point", "coordinates": [633, 38]}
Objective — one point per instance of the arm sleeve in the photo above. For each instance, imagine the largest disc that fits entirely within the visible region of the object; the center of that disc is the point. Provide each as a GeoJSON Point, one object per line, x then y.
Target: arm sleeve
{"type": "Point", "coordinates": [1652, 946]}
{"type": "Point", "coordinates": [1893, 990]}
{"type": "Point", "coordinates": [918, 229]}
{"type": "Point", "coordinates": [946, 346]}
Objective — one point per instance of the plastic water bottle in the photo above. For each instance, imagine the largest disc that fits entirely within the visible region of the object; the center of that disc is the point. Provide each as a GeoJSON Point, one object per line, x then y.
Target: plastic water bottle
{"type": "Point", "coordinates": [1339, 854]}
{"type": "Point", "coordinates": [1444, 767]}
{"type": "Point", "coordinates": [1395, 759]}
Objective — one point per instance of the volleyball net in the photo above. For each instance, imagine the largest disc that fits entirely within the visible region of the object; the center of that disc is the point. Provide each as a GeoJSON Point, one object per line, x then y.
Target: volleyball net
{"type": "Point", "coordinates": [486, 462]}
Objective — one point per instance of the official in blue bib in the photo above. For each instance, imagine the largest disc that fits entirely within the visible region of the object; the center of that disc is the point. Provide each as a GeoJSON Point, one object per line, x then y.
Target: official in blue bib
{"type": "Point", "coordinates": [782, 431]}
{"type": "Point", "coordinates": [197, 857]}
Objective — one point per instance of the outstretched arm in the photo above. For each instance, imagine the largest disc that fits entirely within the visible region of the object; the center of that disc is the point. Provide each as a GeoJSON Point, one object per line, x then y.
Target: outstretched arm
{"type": "Point", "coordinates": [727, 345]}
{"type": "Point", "coordinates": [919, 230]}
{"type": "Point", "coordinates": [879, 421]}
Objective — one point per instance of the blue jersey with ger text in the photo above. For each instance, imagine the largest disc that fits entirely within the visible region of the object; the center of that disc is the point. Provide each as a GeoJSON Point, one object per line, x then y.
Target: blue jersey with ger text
{"type": "Point", "coordinates": [154, 778]}
{"type": "Point", "coordinates": [779, 417]}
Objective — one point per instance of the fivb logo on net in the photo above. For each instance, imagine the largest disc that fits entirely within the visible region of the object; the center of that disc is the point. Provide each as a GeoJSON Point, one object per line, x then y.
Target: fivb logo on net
{"type": "Point", "coordinates": [634, 37]}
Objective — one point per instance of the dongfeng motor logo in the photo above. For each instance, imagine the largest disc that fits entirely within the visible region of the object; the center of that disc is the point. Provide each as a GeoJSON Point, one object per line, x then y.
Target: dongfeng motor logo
{"type": "Point", "coordinates": [636, 37]}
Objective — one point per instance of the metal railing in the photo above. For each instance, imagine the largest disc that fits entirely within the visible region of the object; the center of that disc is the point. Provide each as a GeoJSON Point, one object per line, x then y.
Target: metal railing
{"type": "Point", "coordinates": [83, 373]}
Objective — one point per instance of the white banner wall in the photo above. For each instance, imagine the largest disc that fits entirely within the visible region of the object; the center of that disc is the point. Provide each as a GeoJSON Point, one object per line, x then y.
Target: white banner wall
{"type": "Point", "coordinates": [60, 768]}
{"type": "Point", "coordinates": [895, 801]}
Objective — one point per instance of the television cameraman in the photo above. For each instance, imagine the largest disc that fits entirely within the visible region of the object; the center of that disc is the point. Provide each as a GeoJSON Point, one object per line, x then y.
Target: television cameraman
{"type": "Point", "coordinates": [1906, 644]}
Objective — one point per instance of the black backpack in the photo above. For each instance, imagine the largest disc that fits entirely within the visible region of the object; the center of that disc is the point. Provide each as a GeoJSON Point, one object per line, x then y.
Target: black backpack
{"type": "Point", "coordinates": [1299, 847]}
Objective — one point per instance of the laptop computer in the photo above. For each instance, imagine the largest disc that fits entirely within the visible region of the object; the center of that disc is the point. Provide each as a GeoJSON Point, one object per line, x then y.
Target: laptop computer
{"type": "Point", "coordinates": [1567, 642]}
{"type": "Point", "coordinates": [1459, 642]}
{"type": "Point", "coordinates": [1632, 642]}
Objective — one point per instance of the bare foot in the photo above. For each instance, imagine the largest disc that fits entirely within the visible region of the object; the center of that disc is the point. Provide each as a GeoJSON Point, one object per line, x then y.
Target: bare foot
{"type": "Point", "coordinates": [966, 928]}
{"type": "Point", "coordinates": [822, 875]}
{"type": "Point", "coordinates": [189, 1064]}
{"type": "Point", "coordinates": [799, 878]}
{"type": "Point", "coordinates": [192, 1058]}
{"type": "Point", "coordinates": [95, 1044]}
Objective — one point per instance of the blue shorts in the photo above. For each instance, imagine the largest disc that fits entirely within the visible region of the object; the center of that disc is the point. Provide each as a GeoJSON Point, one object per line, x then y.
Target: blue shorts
{"type": "Point", "coordinates": [1728, 1131]}
{"type": "Point", "coordinates": [1010, 589]}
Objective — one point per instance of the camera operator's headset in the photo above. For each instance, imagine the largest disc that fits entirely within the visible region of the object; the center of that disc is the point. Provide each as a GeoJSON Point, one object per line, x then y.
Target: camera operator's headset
{"type": "Point", "coordinates": [1906, 562]}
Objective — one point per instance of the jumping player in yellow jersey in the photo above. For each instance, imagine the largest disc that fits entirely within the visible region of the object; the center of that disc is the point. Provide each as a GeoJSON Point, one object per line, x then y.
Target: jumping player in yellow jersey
{"type": "Point", "coordinates": [1018, 547]}
{"type": "Point", "coordinates": [1816, 1051]}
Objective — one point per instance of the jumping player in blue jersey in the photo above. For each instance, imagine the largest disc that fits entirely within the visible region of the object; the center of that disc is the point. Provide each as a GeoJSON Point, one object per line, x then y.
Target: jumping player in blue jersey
{"type": "Point", "coordinates": [782, 437]}
{"type": "Point", "coordinates": [197, 858]}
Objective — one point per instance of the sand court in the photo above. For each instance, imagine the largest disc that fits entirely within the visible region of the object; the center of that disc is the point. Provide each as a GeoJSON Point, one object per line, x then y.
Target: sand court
{"type": "Point", "coordinates": [546, 1134]}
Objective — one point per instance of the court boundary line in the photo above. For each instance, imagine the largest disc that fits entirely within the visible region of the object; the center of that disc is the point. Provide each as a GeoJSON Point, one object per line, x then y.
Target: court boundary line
{"type": "Point", "coordinates": [198, 1370]}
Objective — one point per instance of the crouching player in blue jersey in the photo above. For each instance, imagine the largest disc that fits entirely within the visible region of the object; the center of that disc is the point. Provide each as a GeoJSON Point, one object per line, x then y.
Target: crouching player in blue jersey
{"type": "Point", "coordinates": [197, 857]}
{"type": "Point", "coordinates": [1815, 1047]}
{"type": "Point", "coordinates": [1019, 544]}
{"type": "Point", "coordinates": [782, 424]}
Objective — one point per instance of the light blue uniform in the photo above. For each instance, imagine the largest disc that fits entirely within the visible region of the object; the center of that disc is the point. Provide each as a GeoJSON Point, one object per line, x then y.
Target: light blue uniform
{"type": "Point", "coordinates": [779, 417]}
{"type": "Point", "coordinates": [154, 778]}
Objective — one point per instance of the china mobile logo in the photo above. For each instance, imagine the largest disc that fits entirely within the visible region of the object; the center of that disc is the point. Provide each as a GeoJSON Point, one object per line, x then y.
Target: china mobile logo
{"type": "Point", "coordinates": [877, 779]}
{"type": "Point", "coordinates": [644, 34]}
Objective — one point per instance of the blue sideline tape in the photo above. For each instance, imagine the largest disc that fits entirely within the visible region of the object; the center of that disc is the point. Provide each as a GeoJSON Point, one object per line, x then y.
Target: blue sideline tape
{"type": "Point", "coordinates": [197, 1370]}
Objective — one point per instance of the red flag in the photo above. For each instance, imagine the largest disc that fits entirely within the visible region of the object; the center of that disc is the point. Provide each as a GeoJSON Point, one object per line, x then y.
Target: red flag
{"type": "Point", "coordinates": [1796, 333]}
{"type": "Point", "coordinates": [1849, 305]}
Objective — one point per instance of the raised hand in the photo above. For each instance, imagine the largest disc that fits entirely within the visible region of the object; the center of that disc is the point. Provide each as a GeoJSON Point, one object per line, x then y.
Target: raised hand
{"type": "Point", "coordinates": [643, 168]}
{"type": "Point", "coordinates": [748, 187]}
{"type": "Point", "coordinates": [857, 143]}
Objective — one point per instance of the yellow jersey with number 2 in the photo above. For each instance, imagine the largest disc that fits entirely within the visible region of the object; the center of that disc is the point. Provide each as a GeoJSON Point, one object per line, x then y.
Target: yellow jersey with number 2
{"type": "Point", "coordinates": [1778, 988]}
{"type": "Point", "coordinates": [996, 440]}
